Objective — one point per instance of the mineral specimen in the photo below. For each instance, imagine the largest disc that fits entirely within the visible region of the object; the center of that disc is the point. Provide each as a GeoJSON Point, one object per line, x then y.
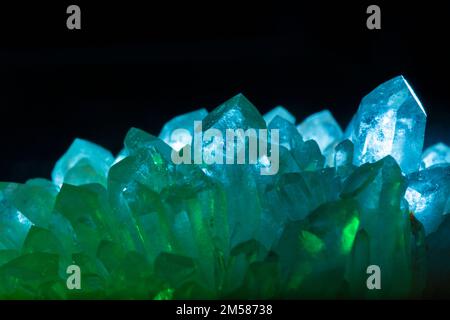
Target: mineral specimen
{"type": "Point", "coordinates": [390, 121]}
{"type": "Point", "coordinates": [140, 226]}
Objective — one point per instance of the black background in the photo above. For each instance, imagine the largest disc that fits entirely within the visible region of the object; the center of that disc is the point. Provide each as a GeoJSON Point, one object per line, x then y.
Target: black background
{"type": "Point", "coordinates": [139, 65]}
{"type": "Point", "coordinates": [282, 309]}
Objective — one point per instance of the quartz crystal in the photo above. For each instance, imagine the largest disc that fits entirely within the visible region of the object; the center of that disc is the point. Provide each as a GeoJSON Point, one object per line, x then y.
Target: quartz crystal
{"type": "Point", "coordinates": [427, 194]}
{"type": "Point", "coordinates": [179, 131]}
{"type": "Point", "coordinates": [436, 154]}
{"type": "Point", "coordinates": [140, 226]}
{"type": "Point", "coordinates": [84, 162]}
{"type": "Point", "coordinates": [281, 112]}
{"type": "Point", "coordinates": [390, 121]}
{"type": "Point", "coordinates": [322, 128]}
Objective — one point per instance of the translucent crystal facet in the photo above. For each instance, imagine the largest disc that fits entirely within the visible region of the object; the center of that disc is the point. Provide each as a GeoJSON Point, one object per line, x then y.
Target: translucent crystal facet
{"type": "Point", "coordinates": [343, 158]}
{"type": "Point", "coordinates": [343, 154]}
{"type": "Point", "coordinates": [179, 131]}
{"type": "Point", "coordinates": [306, 154]}
{"type": "Point", "coordinates": [278, 111]}
{"type": "Point", "coordinates": [390, 121]}
{"type": "Point", "coordinates": [427, 195]}
{"type": "Point", "coordinates": [436, 154]}
{"type": "Point", "coordinates": [321, 127]}
{"type": "Point", "coordinates": [237, 112]}
{"type": "Point", "coordinates": [84, 162]}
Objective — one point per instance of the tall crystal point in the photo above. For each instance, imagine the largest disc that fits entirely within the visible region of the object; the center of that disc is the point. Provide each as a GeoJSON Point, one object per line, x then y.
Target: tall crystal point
{"type": "Point", "coordinates": [390, 121]}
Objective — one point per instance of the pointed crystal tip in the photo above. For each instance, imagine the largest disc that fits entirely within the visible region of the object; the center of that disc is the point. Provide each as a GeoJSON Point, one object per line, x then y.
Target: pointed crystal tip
{"type": "Point", "coordinates": [321, 127]}
{"type": "Point", "coordinates": [390, 121]}
{"type": "Point", "coordinates": [281, 112]}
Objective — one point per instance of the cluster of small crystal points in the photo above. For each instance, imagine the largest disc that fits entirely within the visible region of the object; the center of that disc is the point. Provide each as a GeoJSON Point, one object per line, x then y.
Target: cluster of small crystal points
{"type": "Point", "coordinates": [140, 227]}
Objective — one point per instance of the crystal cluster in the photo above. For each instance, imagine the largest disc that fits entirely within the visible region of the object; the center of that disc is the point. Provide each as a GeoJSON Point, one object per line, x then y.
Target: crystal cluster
{"type": "Point", "coordinates": [141, 227]}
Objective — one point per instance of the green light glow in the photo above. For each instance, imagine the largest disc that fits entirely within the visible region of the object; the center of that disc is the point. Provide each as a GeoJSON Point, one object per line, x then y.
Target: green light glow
{"type": "Point", "coordinates": [311, 242]}
{"type": "Point", "coordinates": [165, 294]}
{"type": "Point", "coordinates": [349, 233]}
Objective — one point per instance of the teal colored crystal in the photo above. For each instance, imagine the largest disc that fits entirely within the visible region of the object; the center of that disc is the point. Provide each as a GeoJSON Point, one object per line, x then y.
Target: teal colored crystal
{"type": "Point", "coordinates": [343, 158]}
{"type": "Point", "coordinates": [378, 188]}
{"type": "Point", "coordinates": [85, 213]}
{"type": "Point", "coordinates": [390, 121]}
{"type": "Point", "coordinates": [240, 113]}
{"type": "Point", "coordinates": [309, 157]}
{"type": "Point", "coordinates": [35, 199]}
{"type": "Point", "coordinates": [313, 252]}
{"type": "Point", "coordinates": [178, 139]}
{"type": "Point", "coordinates": [280, 112]}
{"type": "Point", "coordinates": [237, 112]}
{"type": "Point", "coordinates": [427, 195]}
{"type": "Point", "coordinates": [137, 140]}
{"type": "Point", "coordinates": [84, 162]}
{"type": "Point", "coordinates": [307, 154]}
{"type": "Point", "coordinates": [322, 128]}
{"type": "Point", "coordinates": [289, 137]}
{"type": "Point", "coordinates": [343, 154]}
{"type": "Point", "coordinates": [120, 156]}
{"type": "Point", "coordinates": [14, 225]}
{"type": "Point", "coordinates": [436, 154]}
{"type": "Point", "coordinates": [297, 194]}
{"type": "Point", "coordinates": [140, 226]}
{"type": "Point", "coordinates": [356, 270]}
{"type": "Point", "coordinates": [349, 129]}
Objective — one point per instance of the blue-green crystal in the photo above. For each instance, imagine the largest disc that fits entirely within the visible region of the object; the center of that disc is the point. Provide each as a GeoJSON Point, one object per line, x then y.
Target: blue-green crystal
{"type": "Point", "coordinates": [84, 162]}
{"type": "Point", "coordinates": [280, 112]}
{"type": "Point", "coordinates": [140, 226]}
{"type": "Point", "coordinates": [390, 121]}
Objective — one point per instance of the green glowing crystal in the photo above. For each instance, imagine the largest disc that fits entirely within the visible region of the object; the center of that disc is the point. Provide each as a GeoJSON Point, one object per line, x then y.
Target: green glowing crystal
{"type": "Point", "coordinates": [142, 227]}
{"type": "Point", "coordinates": [348, 234]}
{"type": "Point", "coordinates": [311, 242]}
{"type": "Point", "coordinates": [84, 162]}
